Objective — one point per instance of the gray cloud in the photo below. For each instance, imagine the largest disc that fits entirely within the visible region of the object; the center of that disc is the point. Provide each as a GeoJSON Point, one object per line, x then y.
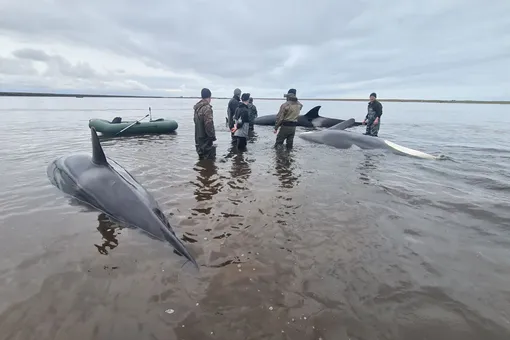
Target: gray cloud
{"type": "Point", "coordinates": [57, 65]}
{"type": "Point", "coordinates": [14, 67]}
{"type": "Point", "coordinates": [444, 49]}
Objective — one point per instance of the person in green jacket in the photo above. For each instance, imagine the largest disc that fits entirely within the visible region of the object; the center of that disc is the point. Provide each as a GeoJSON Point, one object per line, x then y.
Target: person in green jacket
{"type": "Point", "coordinates": [286, 119]}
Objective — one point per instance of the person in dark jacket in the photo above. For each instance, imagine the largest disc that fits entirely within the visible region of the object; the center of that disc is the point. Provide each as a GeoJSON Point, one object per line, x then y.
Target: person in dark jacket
{"type": "Point", "coordinates": [253, 113]}
{"type": "Point", "coordinates": [373, 117]}
{"type": "Point", "coordinates": [231, 108]}
{"type": "Point", "coordinates": [204, 127]}
{"type": "Point", "coordinates": [242, 122]}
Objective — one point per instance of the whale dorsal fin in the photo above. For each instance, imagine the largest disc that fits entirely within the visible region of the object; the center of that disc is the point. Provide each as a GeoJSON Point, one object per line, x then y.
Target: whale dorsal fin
{"type": "Point", "coordinates": [313, 113]}
{"type": "Point", "coordinates": [98, 156]}
{"type": "Point", "coordinates": [343, 125]}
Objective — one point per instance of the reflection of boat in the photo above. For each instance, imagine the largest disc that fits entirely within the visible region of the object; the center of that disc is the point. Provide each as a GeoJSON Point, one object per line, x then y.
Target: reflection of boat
{"type": "Point", "coordinates": [158, 126]}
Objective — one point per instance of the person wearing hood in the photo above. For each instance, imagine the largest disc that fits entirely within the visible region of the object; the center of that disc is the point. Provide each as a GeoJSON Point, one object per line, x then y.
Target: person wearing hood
{"type": "Point", "coordinates": [204, 126]}
{"type": "Point", "coordinates": [242, 122]}
{"type": "Point", "coordinates": [231, 108]}
{"type": "Point", "coordinates": [373, 117]}
{"type": "Point", "coordinates": [253, 113]}
{"type": "Point", "coordinates": [286, 119]}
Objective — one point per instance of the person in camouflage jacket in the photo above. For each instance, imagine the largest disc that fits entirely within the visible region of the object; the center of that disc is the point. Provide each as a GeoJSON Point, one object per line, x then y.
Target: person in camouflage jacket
{"type": "Point", "coordinates": [205, 134]}
{"type": "Point", "coordinates": [286, 119]}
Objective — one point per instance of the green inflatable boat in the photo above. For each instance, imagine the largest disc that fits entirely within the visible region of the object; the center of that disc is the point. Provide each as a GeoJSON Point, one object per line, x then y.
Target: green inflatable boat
{"type": "Point", "coordinates": [158, 126]}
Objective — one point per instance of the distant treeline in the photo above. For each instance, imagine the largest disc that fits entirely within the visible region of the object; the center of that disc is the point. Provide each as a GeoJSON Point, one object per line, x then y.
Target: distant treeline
{"type": "Point", "coordinates": [41, 94]}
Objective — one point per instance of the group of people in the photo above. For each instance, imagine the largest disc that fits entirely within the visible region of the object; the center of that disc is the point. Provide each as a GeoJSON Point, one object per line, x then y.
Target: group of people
{"type": "Point", "coordinates": [241, 114]}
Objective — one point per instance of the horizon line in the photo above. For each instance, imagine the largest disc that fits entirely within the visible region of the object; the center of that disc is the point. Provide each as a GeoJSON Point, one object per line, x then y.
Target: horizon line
{"type": "Point", "coordinates": [84, 95]}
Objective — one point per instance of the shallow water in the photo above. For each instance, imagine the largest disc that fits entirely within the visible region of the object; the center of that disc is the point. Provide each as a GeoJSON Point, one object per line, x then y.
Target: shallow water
{"type": "Point", "coordinates": [317, 243]}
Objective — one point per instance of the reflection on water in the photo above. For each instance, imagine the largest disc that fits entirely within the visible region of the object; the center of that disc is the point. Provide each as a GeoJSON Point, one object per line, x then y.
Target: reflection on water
{"type": "Point", "coordinates": [240, 169]}
{"type": "Point", "coordinates": [109, 230]}
{"type": "Point", "coordinates": [368, 165]}
{"type": "Point", "coordinates": [207, 183]}
{"type": "Point", "coordinates": [284, 160]}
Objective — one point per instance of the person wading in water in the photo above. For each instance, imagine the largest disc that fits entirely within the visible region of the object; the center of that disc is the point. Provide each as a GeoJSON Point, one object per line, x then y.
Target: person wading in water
{"type": "Point", "coordinates": [373, 118]}
{"type": "Point", "coordinates": [286, 119]}
{"type": "Point", "coordinates": [253, 113]}
{"type": "Point", "coordinates": [242, 122]}
{"type": "Point", "coordinates": [231, 109]}
{"type": "Point", "coordinates": [204, 127]}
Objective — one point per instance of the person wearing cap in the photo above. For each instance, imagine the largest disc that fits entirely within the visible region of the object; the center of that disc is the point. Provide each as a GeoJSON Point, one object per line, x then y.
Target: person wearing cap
{"type": "Point", "coordinates": [204, 126]}
{"type": "Point", "coordinates": [231, 108]}
{"type": "Point", "coordinates": [253, 113]}
{"type": "Point", "coordinates": [286, 119]}
{"type": "Point", "coordinates": [373, 117]}
{"type": "Point", "coordinates": [242, 122]}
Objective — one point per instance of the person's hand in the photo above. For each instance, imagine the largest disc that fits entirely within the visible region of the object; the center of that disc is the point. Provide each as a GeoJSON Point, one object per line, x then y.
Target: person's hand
{"type": "Point", "coordinates": [275, 131]}
{"type": "Point", "coordinates": [376, 121]}
{"type": "Point", "coordinates": [364, 122]}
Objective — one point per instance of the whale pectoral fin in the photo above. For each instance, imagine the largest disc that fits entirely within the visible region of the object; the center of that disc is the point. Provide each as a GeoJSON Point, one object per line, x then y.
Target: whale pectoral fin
{"type": "Point", "coordinates": [98, 156]}
{"type": "Point", "coordinates": [313, 113]}
{"type": "Point", "coordinates": [163, 219]}
{"type": "Point", "coordinates": [408, 151]}
{"type": "Point", "coordinates": [343, 125]}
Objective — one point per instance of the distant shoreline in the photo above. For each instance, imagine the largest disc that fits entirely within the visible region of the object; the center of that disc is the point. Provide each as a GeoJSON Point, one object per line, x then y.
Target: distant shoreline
{"type": "Point", "coordinates": [437, 101]}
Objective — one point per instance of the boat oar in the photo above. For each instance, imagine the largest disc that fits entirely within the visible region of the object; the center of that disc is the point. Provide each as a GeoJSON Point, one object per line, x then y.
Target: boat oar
{"type": "Point", "coordinates": [130, 125]}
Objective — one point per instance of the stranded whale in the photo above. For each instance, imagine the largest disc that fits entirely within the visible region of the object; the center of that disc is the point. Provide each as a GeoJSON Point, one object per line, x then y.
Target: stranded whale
{"type": "Point", "coordinates": [336, 136]}
{"type": "Point", "coordinates": [310, 119]}
{"type": "Point", "coordinates": [107, 187]}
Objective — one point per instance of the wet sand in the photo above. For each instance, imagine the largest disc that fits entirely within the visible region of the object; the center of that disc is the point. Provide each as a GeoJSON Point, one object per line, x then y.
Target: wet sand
{"type": "Point", "coordinates": [315, 243]}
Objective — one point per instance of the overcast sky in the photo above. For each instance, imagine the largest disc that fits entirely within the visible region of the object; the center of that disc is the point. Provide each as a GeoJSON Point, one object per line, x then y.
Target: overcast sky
{"type": "Point", "coordinates": [445, 49]}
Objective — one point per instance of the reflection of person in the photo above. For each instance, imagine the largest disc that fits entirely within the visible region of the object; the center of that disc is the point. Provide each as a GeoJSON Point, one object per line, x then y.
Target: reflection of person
{"type": "Point", "coordinates": [108, 230]}
{"type": "Point", "coordinates": [373, 118]}
{"type": "Point", "coordinates": [204, 127]}
{"type": "Point", "coordinates": [242, 122]}
{"type": "Point", "coordinates": [283, 167]}
{"type": "Point", "coordinates": [286, 119]}
{"type": "Point", "coordinates": [207, 185]}
{"type": "Point", "coordinates": [240, 167]}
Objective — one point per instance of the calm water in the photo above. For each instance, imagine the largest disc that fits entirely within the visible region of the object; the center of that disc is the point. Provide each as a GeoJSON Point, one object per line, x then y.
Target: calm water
{"type": "Point", "coordinates": [317, 243]}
